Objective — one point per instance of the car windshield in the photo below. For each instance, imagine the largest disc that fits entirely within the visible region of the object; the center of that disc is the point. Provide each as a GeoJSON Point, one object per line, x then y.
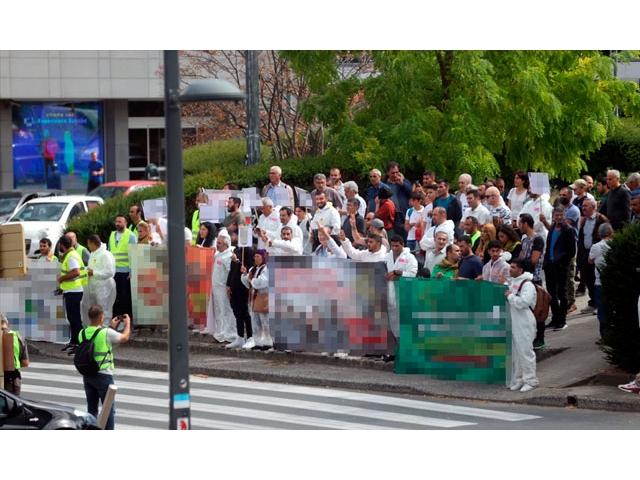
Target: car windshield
{"type": "Point", "coordinates": [8, 204]}
{"type": "Point", "coordinates": [39, 212]}
{"type": "Point", "coordinates": [108, 192]}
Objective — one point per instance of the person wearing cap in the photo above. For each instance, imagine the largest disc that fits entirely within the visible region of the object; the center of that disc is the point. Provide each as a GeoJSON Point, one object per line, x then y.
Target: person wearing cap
{"type": "Point", "coordinates": [375, 227]}
{"type": "Point", "coordinates": [579, 188]}
{"type": "Point", "coordinates": [20, 357]}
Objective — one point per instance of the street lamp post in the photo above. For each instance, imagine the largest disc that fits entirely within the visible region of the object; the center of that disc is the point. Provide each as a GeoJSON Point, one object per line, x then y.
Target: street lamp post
{"type": "Point", "coordinates": [204, 90]}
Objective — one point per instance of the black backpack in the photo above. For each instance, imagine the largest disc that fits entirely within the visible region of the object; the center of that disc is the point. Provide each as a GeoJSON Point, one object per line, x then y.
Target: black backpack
{"type": "Point", "coordinates": [84, 359]}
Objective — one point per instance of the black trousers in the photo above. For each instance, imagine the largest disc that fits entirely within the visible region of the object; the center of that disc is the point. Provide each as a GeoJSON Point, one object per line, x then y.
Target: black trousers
{"type": "Point", "coordinates": [240, 306]}
{"type": "Point", "coordinates": [72, 308]}
{"type": "Point", "coordinates": [122, 304]}
{"type": "Point", "coordinates": [556, 276]}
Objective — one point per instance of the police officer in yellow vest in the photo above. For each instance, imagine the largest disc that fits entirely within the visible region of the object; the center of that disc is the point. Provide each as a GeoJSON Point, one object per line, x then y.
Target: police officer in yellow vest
{"type": "Point", "coordinates": [72, 279]}
{"type": "Point", "coordinates": [118, 245]}
{"type": "Point", "coordinates": [195, 219]}
{"type": "Point", "coordinates": [96, 386]}
{"type": "Point", "coordinates": [19, 355]}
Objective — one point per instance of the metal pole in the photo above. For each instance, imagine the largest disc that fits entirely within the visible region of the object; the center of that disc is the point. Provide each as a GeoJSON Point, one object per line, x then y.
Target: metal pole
{"type": "Point", "coordinates": [253, 113]}
{"type": "Point", "coordinates": [179, 398]}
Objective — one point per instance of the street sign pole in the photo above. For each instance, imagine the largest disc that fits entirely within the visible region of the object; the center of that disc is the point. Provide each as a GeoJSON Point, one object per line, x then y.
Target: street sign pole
{"type": "Point", "coordinates": [179, 398]}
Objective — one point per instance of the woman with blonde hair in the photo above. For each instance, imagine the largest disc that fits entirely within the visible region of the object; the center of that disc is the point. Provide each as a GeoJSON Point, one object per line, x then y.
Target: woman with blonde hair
{"type": "Point", "coordinates": [487, 233]}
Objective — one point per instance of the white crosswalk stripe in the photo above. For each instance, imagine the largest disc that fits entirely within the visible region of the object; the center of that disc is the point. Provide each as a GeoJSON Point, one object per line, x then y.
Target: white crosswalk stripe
{"type": "Point", "coordinates": [142, 403]}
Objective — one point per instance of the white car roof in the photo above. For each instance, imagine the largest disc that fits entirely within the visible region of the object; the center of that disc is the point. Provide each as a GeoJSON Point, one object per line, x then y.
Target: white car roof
{"type": "Point", "coordinates": [66, 198]}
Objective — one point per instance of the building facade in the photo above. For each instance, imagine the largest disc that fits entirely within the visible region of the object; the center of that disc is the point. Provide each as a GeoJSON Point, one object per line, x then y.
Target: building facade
{"type": "Point", "coordinates": [57, 107]}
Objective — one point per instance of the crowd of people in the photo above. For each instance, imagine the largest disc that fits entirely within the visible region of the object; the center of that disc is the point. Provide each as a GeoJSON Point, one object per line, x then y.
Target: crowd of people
{"type": "Point", "coordinates": [477, 232]}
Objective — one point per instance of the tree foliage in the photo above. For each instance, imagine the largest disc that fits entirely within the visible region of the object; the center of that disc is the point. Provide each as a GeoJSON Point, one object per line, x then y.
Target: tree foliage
{"type": "Point", "coordinates": [456, 111]}
{"type": "Point", "coordinates": [621, 151]}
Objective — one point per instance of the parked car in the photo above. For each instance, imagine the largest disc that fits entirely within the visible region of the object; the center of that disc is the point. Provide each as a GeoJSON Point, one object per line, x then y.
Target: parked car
{"type": "Point", "coordinates": [17, 413]}
{"type": "Point", "coordinates": [47, 217]}
{"type": "Point", "coordinates": [115, 189]}
{"type": "Point", "coordinates": [12, 200]}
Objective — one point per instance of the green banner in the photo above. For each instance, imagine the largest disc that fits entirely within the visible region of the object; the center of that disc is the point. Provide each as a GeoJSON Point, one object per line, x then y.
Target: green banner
{"type": "Point", "coordinates": [453, 330]}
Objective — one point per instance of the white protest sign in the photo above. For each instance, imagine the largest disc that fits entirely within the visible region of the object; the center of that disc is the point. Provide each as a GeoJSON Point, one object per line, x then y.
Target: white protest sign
{"type": "Point", "coordinates": [155, 208]}
{"type": "Point", "coordinates": [245, 237]}
{"type": "Point", "coordinates": [539, 183]}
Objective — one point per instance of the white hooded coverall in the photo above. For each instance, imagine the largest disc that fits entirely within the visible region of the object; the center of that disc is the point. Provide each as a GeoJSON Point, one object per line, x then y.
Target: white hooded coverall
{"type": "Point", "coordinates": [101, 287]}
{"type": "Point", "coordinates": [523, 325]}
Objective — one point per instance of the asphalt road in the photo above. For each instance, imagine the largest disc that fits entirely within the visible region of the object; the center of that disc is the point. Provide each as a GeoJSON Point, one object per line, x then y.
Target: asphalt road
{"type": "Point", "coordinates": [230, 404]}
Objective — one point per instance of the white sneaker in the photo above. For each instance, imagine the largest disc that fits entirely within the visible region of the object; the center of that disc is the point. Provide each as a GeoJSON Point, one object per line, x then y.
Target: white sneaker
{"type": "Point", "coordinates": [237, 343]}
{"type": "Point", "coordinates": [204, 331]}
{"type": "Point", "coordinates": [340, 354]}
{"type": "Point", "coordinates": [250, 343]}
{"type": "Point", "coordinates": [516, 386]}
{"type": "Point", "coordinates": [526, 387]}
{"type": "Point", "coordinates": [267, 341]}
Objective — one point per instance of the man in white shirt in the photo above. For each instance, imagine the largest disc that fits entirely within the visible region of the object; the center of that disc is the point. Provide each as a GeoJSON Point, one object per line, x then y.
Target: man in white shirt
{"type": "Point", "coordinates": [268, 222]}
{"type": "Point", "coordinates": [375, 250]}
{"type": "Point", "coordinates": [475, 209]}
{"type": "Point", "coordinates": [439, 223]}
{"type": "Point", "coordinates": [287, 244]}
{"type": "Point", "coordinates": [351, 191]}
{"type": "Point", "coordinates": [325, 215]}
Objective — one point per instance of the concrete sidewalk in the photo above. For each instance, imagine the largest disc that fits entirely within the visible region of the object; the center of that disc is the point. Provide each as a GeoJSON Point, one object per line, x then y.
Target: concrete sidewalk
{"type": "Point", "coordinates": [572, 370]}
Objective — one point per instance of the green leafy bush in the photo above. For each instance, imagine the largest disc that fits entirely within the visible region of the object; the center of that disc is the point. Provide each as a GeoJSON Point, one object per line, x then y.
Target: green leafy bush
{"type": "Point", "coordinates": [101, 220]}
{"type": "Point", "coordinates": [620, 288]}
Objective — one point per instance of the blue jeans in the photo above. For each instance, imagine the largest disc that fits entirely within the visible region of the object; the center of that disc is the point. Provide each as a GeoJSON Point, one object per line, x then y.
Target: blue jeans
{"type": "Point", "coordinates": [95, 388]}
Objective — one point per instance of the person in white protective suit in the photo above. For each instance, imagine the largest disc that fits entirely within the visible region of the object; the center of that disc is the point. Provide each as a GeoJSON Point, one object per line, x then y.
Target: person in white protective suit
{"type": "Point", "coordinates": [400, 263]}
{"type": "Point", "coordinates": [256, 279]}
{"type": "Point", "coordinates": [101, 287]}
{"type": "Point", "coordinates": [221, 322]}
{"type": "Point", "coordinates": [522, 296]}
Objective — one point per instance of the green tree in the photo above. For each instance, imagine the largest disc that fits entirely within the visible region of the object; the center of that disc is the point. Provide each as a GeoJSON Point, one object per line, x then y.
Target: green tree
{"type": "Point", "coordinates": [456, 111]}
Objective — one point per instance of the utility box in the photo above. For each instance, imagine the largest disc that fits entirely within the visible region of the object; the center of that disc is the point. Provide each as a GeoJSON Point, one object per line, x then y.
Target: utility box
{"type": "Point", "coordinates": [13, 258]}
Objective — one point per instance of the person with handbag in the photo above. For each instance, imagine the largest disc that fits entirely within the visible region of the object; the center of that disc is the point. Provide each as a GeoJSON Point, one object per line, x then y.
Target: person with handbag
{"type": "Point", "coordinates": [256, 279]}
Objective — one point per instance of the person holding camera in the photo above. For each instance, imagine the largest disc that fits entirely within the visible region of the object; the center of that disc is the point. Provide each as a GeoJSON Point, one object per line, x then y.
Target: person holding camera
{"type": "Point", "coordinates": [96, 386]}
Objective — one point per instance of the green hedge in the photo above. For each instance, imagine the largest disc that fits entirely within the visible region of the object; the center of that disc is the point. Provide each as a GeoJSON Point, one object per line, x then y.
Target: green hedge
{"type": "Point", "coordinates": [620, 288]}
{"type": "Point", "coordinates": [101, 220]}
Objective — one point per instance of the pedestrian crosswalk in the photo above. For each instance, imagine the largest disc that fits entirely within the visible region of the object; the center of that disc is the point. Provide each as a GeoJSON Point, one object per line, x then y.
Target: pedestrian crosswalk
{"type": "Point", "coordinates": [228, 404]}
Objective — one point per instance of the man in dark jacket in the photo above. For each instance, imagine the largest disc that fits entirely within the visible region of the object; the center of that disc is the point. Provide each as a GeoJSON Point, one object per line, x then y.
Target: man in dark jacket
{"type": "Point", "coordinates": [587, 236]}
{"type": "Point", "coordinates": [561, 248]}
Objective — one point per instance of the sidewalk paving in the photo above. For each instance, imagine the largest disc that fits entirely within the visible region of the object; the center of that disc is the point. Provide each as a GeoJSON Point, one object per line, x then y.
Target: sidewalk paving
{"type": "Point", "coordinates": [573, 370]}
